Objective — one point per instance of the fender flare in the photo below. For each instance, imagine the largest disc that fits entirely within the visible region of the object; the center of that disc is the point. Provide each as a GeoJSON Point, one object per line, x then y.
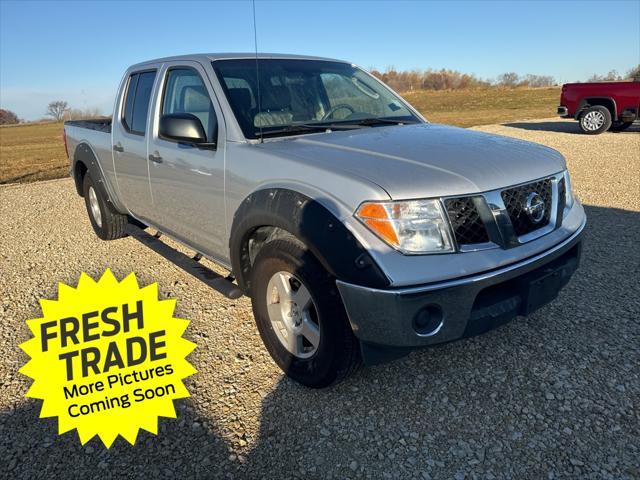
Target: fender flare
{"type": "Point", "coordinates": [337, 249]}
{"type": "Point", "coordinates": [84, 154]}
{"type": "Point", "coordinates": [586, 101]}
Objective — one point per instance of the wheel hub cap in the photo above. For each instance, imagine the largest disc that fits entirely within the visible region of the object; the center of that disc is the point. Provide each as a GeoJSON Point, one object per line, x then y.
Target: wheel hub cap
{"type": "Point", "coordinates": [293, 314]}
{"type": "Point", "coordinates": [593, 120]}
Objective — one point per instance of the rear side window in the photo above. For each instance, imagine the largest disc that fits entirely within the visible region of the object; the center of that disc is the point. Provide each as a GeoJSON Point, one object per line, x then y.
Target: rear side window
{"type": "Point", "coordinates": [128, 106]}
{"type": "Point", "coordinates": [136, 108]}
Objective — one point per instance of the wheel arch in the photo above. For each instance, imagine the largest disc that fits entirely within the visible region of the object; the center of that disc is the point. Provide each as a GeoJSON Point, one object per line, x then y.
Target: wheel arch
{"type": "Point", "coordinates": [79, 171]}
{"type": "Point", "coordinates": [85, 160]}
{"type": "Point", "coordinates": [275, 212]}
{"type": "Point", "coordinates": [607, 102]}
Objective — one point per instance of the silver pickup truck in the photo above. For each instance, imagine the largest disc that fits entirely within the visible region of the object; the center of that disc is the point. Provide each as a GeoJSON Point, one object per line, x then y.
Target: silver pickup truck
{"type": "Point", "coordinates": [359, 230]}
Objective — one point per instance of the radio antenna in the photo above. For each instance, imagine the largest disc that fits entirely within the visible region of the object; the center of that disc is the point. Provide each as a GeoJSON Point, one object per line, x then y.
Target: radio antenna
{"type": "Point", "coordinates": [255, 45]}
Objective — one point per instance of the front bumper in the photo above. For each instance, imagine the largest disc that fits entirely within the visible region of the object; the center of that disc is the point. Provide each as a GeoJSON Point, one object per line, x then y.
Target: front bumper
{"type": "Point", "coordinates": [405, 318]}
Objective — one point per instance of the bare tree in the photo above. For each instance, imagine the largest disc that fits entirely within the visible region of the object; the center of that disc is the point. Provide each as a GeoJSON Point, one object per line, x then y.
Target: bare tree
{"type": "Point", "coordinates": [57, 108]}
{"type": "Point", "coordinates": [443, 79]}
{"type": "Point", "coordinates": [7, 117]}
{"type": "Point", "coordinates": [78, 114]}
{"type": "Point", "coordinates": [406, 80]}
{"type": "Point", "coordinates": [634, 74]}
{"type": "Point", "coordinates": [612, 76]}
{"type": "Point", "coordinates": [537, 81]}
{"type": "Point", "coordinates": [509, 79]}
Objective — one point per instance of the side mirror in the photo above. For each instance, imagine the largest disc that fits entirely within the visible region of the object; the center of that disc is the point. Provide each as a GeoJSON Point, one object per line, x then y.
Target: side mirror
{"type": "Point", "coordinates": [184, 127]}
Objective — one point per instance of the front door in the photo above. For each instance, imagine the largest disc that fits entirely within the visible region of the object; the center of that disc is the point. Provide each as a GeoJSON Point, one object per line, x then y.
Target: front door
{"type": "Point", "coordinates": [187, 183]}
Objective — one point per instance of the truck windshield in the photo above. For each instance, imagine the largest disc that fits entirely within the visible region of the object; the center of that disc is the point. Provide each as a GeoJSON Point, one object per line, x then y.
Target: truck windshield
{"type": "Point", "coordinates": [306, 96]}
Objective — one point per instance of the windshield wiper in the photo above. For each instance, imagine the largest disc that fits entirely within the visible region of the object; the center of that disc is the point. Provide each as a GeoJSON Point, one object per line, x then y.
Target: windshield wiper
{"type": "Point", "coordinates": [379, 121]}
{"type": "Point", "coordinates": [297, 128]}
{"type": "Point", "coordinates": [303, 128]}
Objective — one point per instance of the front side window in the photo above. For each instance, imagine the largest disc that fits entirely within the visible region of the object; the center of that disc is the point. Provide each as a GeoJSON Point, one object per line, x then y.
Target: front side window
{"type": "Point", "coordinates": [298, 96]}
{"type": "Point", "coordinates": [186, 93]}
{"type": "Point", "coordinates": [138, 97]}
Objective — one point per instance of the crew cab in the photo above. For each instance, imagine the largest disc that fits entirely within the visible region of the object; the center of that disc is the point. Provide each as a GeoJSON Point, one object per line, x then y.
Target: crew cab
{"type": "Point", "coordinates": [601, 106]}
{"type": "Point", "coordinates": [359, 230]}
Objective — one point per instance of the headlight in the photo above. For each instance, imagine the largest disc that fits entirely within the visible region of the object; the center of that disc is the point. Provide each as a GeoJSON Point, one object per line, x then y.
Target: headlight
{"type": "Point", "coordinates": [568, 190]}
{"type": "Point", "coordinates": [412, 226]}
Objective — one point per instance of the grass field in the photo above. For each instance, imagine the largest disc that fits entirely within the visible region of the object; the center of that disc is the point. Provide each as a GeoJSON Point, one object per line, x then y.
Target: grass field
{"type": "Point", "coordinates": [32, 152]}
{"type": "Point", "coordinates": [36, 152]}
{"type": "Point", "coordinates": [467, 108]}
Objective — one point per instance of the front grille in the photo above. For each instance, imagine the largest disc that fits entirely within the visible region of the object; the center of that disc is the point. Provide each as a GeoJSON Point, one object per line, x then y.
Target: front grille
{"type": "Point", "coordinates": [465, 221]}
{"type": "Point", "coordinates": [515, 201]}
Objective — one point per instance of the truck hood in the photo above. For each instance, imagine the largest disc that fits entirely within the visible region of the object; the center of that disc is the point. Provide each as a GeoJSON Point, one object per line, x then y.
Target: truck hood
{"type": "Point", "coordinates": [426, 160]}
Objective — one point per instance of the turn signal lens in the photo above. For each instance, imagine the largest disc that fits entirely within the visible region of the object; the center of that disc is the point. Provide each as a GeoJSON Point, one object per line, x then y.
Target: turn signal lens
{"type": "Point", "coordinates": [568, 190]}
{"type": "Point", "coordinates": [372, 210]}
{"type": "Point", "coordinates": [413, 226]}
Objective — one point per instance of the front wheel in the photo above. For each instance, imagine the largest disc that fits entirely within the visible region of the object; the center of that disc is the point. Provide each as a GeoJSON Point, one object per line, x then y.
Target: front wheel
{"type": "Point", "coordinates": [595, 120]}
{"type": "Point", "coordinates": [300, 316]}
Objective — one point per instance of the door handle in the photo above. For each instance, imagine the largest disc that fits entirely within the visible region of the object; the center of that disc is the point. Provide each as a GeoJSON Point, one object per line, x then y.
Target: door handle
{"type": "Point", "coordinates": [118, 148]}
{"type": "Point", "coordinates": [155, 158]}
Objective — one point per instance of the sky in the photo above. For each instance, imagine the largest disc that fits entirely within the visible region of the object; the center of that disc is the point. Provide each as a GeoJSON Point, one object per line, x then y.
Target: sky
{"type": "Point", "coordinates": [77, 51]}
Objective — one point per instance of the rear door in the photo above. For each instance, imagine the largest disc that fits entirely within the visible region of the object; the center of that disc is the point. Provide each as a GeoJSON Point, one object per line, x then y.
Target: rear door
{"type": "Point", "coordinates": [130, 135]}
{"type": "Point", "coordinates": [187, 183]}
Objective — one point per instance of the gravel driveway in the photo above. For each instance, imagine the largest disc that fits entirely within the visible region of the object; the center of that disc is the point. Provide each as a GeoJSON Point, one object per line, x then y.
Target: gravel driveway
{"type": "Point", "coordinates": [556, 395]}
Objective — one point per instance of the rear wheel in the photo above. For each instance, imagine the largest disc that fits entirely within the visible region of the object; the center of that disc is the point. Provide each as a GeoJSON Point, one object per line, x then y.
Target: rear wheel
{"type": "Point", "coordinates": [620, 126]}
{"type": "Point", "coordinates": [300, 316]}
{"type": "Point", "coordinates": [595, 120]}
{"type": "Point", "coordinates": [106, 222]}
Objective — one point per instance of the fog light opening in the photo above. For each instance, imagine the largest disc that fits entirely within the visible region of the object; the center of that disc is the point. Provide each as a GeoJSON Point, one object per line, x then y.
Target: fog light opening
{"type": "Point", "coordinates": [428, 320]}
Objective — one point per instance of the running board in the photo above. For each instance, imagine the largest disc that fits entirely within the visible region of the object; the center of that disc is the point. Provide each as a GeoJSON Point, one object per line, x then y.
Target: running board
{"type": "Point", "coordinates": [190, 265]}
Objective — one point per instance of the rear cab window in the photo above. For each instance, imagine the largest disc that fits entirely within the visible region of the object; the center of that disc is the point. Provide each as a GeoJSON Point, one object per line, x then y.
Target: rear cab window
{"type": "Point", "coordinates": [137, 100]}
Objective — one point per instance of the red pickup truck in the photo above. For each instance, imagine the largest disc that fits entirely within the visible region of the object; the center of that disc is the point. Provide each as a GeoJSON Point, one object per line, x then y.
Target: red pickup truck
{"type": "Point", "coordinates": [601, 106]}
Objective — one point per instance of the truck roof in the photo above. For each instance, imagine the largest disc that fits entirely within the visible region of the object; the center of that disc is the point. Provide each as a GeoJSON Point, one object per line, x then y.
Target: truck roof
{"type": "Point", "coordinates": [208, 57]}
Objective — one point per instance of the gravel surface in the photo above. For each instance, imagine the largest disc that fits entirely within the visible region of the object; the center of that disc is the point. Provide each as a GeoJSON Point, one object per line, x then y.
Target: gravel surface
{"type": "Point", "coordinates": [555, 395]}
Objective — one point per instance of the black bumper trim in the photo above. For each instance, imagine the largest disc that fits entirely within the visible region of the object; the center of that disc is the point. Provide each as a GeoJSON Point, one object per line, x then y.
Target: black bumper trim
{"type": "Point", "coordinates": [384, 318]}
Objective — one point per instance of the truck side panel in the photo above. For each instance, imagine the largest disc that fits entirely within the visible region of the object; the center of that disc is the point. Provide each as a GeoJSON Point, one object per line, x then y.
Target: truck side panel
{"type": "Point", "coordinates": [85, 145]}
{"type": "Point", "coordinates": [624, 95]}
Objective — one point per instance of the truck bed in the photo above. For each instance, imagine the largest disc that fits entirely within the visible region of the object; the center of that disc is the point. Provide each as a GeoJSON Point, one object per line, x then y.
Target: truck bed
{"type": "Point", "coordinates": [100, 124]}
{"type": "Point", "coordinates": [96, 134]}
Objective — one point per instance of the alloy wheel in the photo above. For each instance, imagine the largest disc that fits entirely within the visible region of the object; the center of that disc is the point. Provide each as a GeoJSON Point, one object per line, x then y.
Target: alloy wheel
{"type": "Point", "coordinates": [293, 314]}
{"type": "Point", "coordinates": [95, 207]}
{"type": "Point", "coordinates": [593, 120]}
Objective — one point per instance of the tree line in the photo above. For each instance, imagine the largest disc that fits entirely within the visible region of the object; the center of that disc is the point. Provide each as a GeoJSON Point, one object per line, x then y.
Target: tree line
{"type": "Point", "coordinates": [57, 110]}
{"type": "Point", "coordinates": [400, 80]}
{"type": "Point", "coordinates": [614, 76]}
{"type": "Point", "coordinates": [444, 79]}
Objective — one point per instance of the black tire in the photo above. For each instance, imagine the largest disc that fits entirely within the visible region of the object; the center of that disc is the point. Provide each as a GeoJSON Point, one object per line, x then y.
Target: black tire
{"type": "Point", "coordinates": [586, 120]}
{"type": "Point", "coordinates": [338, 353]}
{"type": "Point", "coordinates": [620, 126]}
{"type": "Point", "coordinates": [111, 224]}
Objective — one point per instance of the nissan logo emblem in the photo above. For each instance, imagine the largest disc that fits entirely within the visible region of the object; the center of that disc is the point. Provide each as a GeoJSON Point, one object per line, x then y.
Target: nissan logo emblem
{"type": "Point", "coordinates": [535, 207]}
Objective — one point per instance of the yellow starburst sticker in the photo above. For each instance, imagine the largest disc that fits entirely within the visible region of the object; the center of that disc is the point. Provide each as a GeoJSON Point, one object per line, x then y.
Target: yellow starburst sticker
{"type": "Point", "coordinates": [107, 358]}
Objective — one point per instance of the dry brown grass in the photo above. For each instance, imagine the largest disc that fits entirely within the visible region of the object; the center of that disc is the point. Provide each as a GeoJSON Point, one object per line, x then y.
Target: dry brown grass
{"type": "Point", "coordinates": [32, 152]}
{"type": "Point", "coordinates": [466, 108]}
{"type": "Point", "coordinates": [35, 152]}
